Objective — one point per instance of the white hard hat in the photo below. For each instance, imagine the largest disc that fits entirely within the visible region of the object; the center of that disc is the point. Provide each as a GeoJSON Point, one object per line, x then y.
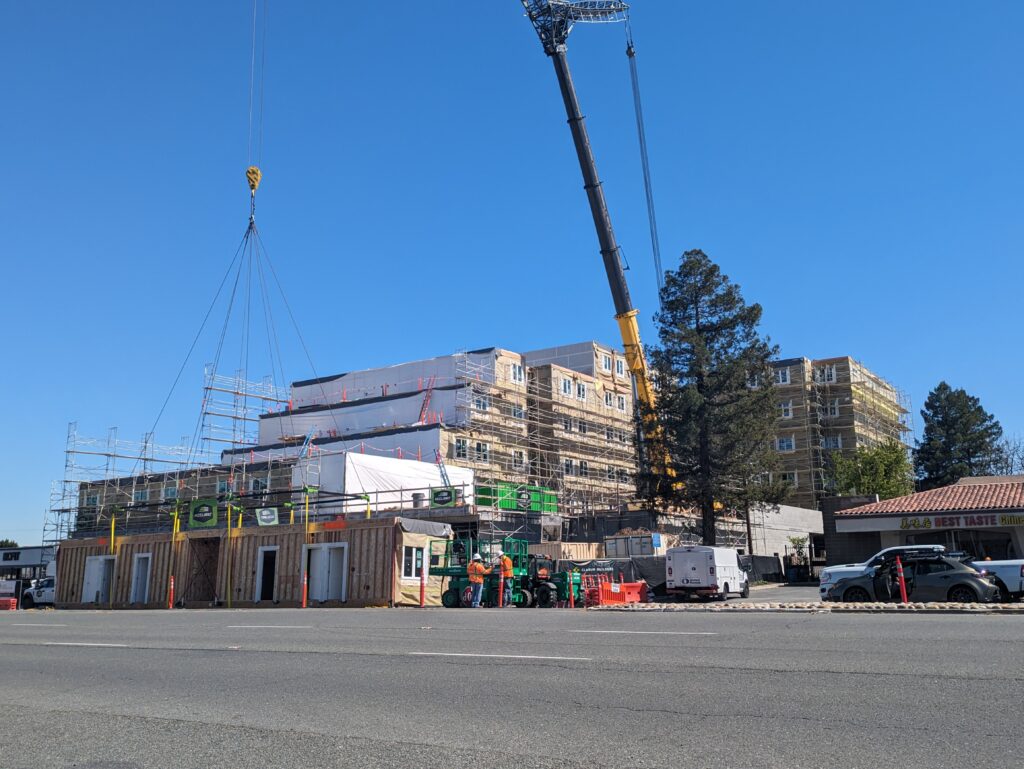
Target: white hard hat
{"type": "Point", "coordinates": [501, 552]}
{"type": "Point", "coordinates": [476, 557]}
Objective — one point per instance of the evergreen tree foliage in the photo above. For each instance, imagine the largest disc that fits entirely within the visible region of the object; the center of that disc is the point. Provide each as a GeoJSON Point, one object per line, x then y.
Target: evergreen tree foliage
{"type": "Point", "coordinates": [716, 403]}
{"type": "Point", "coordinates": [960, 439]}
{"type": "Point", "coordinates": [8, 543]}
{"type": "Point", "coordinates": [884, 470]}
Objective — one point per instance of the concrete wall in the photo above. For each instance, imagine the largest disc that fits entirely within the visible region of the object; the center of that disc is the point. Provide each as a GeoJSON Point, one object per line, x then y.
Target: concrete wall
{"type": "Point", "coordinates": [771, 527]}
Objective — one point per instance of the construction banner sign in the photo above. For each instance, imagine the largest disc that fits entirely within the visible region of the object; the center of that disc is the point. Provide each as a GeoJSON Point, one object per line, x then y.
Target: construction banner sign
{"type": "Point", "coordinates": [202, 513]}
{"type": "Point", "coordinates": [442, 497]}
{"type": "Point", "coordinates": [266, 516]}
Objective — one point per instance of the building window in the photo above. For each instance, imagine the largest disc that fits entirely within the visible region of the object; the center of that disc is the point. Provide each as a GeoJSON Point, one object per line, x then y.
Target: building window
{"type": "Point", "coordinates": [582, 426]}
{"type": "Point", "coordinates": [832, 442]}
{"type": "Point", "coordinates": [620, 367]}
{"type": "Point", "coordinates": [833, 407]}
{"type": "Point", "coordinates": [567, 424]}
{"type": "Point", "coordinates": [609, 473]}
{"type": "Point", "coordinates": [825, 373]}
{"type": "Point", "coordinates": [789, 478]}
{"type": "Point", "coordinates": [412, 562]}
{"type": "Point", "coordinates": [481, 401]}
{"type": "Point", "coordinates": [91, 500]}
{"type": "Point", "coordinates": [623, 475]}
{"type": "Point", "coordinates": [782, 376]}
{"type": "Point", "coordinates": [581, 391]}
{"type": "Point", "coordinates": [170, 492]}
{"type": "Point", "coordinates": [570, 467]}
{"type": "Point", "coordinates": [608, 399]}
{"type": "Point", "coordinates": [785, 443]}
{"type": "Point", "coordinates": [609, 433]}
{"type": "Point", "coordinates": [621, 404]}
{"type": "Point", "coordinates": [222, 486]}
{"type": "Point", "coordinates": [256, 485]}
{"type": "Point", "coordinates": [606, 363]}
{"type": "Point", "coordinates": [623, 436]}
{"type": "Point", "coordinates": [461, 448]}
{"type": "Point", "coordinates": [515, 371]}
{"type": "Point", "coordinates": [482, 451]}
{"type": "Point", "coordinates": [786, 410]}
{"type": "Point", "coordinates": [141, 495]}
{"type": "Point", "coordinates": [754, 381]}
{"type": "Point", "coordinates": [584, 469]}
{"type": "Point", "coordinates": [566, 387]}
{"type": "Point", "coordinates": [518, 459]}
{"type": "Point", "coordinates": [517, 411]}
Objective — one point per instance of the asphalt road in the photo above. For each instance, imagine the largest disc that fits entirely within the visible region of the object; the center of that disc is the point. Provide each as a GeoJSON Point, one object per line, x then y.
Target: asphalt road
{"type": "Point", "coordinates": [513, 688]}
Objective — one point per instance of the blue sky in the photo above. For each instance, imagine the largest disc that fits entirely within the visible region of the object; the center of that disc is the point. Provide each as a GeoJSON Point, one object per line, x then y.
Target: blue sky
{"type": "Point", "coordinates": [855, 167]}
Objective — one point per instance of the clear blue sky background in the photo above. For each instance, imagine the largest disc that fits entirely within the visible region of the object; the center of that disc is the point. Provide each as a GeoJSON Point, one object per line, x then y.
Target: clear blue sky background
{"type": "Point", "coordinates": [855, 167]}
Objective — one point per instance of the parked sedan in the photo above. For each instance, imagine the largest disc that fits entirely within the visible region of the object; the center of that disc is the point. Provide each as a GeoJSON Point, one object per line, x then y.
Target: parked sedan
{"type": "Point", "coordinates": [928, 578]}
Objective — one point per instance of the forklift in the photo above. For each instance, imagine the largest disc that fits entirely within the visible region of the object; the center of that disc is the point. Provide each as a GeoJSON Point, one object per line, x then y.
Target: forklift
{"type": "Point", "coordinates": [450, 559]}
{"type": "Point", "coordinates": [547, 586]}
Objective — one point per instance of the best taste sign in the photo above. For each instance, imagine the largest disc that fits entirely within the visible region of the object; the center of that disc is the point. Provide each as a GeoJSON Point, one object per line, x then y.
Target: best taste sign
{"type": "Point", "coordinates": [961, 521]}
{"type": "Point", "coordinates": [919, 522]}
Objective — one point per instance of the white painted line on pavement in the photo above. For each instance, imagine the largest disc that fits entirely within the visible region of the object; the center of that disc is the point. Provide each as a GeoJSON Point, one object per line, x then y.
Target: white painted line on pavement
{"type": "Point", "coordinates": [35, 624]}
{"type": "Point", "coordinates": [498, 656]}
{"type": "Point", "coordinates": [77, 643]}
{"type": "Point", "coordinates": [644, 632]}
{"type": "Point", "coordinates": [273, 627]}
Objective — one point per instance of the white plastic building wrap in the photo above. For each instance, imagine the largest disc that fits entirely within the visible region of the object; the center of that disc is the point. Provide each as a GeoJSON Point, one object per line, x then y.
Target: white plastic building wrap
{"type": "Point", "coordinates": [391, 380]}
{"type": "Point", "coordinates": [361, 417]}
{"type": "Point", "coordinates": [389, 483]}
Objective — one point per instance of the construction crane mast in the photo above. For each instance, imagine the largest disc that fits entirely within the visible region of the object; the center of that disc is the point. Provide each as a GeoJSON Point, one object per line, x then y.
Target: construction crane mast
{"type": "Point", "coordinates": [553, 20]}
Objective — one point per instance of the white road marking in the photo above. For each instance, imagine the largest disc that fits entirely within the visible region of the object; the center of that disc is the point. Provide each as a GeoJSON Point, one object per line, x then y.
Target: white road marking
{"type": "Point", "coordinates": [77, 643]}
{"type": "Point", "coordinates": [35, 624]}
{"type": "Point", "coordinates": [498, 656]}
{"type": "Point", "coordinates": [273, 627]}
{"type": "Point", "coordinates": [644, 632]}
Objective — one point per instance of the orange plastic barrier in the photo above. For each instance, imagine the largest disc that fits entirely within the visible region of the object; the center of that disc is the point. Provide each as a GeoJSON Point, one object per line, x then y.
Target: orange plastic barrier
{"type": "Point", "coordinates": [8, 604]}
{"type": "Point", "coordinates": [622, 592]}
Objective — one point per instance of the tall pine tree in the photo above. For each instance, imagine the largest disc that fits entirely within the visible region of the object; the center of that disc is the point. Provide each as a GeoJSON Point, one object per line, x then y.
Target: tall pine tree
{"type": "Point", "coordinates": [960, 439]}
{"type": "Point", "coordinates": [716, 402]}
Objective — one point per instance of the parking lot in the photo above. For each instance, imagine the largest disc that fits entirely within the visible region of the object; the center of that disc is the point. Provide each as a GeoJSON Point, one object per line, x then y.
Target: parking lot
{"type": "Point", "coordinates": [507, 688]}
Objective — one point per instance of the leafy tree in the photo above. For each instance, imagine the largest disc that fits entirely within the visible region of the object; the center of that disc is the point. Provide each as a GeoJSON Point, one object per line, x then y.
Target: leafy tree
{"type": "Point", "coordinates": [8, 543]}
{"type": "Point", "coordinates": [716, 403]}
{"type": "Point", "coordinates": [884, 470]}
{"type": "Point", "coordinates": [960, 438]}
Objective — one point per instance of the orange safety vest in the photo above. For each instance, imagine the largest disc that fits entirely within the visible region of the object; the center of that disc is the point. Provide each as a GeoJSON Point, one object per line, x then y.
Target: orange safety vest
{"type": "Point", "coordinates": [476, 572]}
{"type": "Point", "coordinates": [506, 567]}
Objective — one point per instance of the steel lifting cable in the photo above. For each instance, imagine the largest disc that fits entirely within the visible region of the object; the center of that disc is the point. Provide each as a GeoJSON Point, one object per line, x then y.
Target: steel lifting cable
{"type": "Point", "coordinates": [634, 78]}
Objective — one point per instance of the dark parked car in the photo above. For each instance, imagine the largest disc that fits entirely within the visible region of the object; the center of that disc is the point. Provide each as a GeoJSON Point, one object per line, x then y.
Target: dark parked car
{"type": "Point", "coordinates": [929, 577]}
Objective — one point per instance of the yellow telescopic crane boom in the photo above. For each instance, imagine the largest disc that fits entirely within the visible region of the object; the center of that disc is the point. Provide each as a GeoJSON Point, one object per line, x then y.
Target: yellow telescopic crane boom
{"type": "Point", "coordinates": [553, 20]}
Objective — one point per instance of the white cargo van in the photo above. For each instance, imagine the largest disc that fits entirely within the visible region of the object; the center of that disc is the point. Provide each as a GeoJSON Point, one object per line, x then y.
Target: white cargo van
{"type": "Point", "coordinates": [704, 572]}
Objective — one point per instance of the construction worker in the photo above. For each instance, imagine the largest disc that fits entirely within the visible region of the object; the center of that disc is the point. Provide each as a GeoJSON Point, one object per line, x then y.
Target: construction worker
{"type": "Point", "coordinates": [507, 575]}
{"type": "Point", "coordinates": [476, 571]}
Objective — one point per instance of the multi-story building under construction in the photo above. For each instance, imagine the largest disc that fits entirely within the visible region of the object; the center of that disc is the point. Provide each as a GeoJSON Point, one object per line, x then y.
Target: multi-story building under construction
{"type": "Point", "coordinates": [827, 406]}
{"type": "Point", "coordinates": [548, 433]}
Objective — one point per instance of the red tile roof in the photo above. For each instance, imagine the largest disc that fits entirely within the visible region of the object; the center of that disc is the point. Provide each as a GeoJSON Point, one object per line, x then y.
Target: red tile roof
{"type": "Point", "coordinates": [1006, 495]}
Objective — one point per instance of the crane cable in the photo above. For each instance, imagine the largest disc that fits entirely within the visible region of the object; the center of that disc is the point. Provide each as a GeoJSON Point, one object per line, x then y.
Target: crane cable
{"type": "Point", "coordinates": [634, 77]}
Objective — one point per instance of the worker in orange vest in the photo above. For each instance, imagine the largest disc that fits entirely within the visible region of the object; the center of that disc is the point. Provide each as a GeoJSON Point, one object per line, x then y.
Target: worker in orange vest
{"type": "Point", "coordinates": [476, 571]}
{"type": "Point", "coordinates": [507, 576]}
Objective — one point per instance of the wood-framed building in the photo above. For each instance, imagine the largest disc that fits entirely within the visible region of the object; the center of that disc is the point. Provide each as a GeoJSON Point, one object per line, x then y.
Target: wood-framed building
{"type": "Point", "coordinates": [375, 562]}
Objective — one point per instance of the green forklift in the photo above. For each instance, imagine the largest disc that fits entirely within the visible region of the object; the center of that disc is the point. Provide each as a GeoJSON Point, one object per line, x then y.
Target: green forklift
{"type": "Point", "coordinates": [450, 559]}
{"type": "Point", "coordinates": [549, 586]}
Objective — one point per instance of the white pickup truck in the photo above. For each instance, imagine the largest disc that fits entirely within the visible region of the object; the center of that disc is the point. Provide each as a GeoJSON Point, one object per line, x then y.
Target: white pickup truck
{"type": "Point", "coordinates": [42, 593]}
{"type": "Point", "coordinates": [1009, 576]}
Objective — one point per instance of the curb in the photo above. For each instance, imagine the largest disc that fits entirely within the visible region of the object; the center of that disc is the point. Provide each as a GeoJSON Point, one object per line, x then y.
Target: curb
{"type": "Point", "coordinates": [825, 608]}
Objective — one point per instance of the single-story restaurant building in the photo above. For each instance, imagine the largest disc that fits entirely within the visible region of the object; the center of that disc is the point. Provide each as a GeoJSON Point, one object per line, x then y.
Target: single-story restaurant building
{"type": "Point", "coordinates": [981, 516]}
